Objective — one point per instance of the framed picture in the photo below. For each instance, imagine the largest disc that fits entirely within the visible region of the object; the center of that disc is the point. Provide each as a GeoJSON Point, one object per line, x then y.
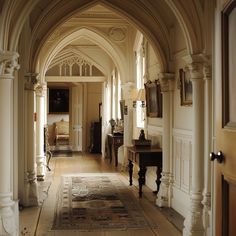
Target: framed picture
{"type": "Point", "coordinates": [58, 100]}
{"type": "Point", "coordinates": [186, 90]}
{"type": "Point", "coordinates": [153, 99]}
{"type": "Point", "coordinates": [122, 109]}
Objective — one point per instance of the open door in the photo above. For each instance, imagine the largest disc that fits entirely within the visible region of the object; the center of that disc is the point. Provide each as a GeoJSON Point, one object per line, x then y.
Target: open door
{"type": "Point", "coordinates": [77, 117]}
{"type": "Point", "coordinates": [225, 100]}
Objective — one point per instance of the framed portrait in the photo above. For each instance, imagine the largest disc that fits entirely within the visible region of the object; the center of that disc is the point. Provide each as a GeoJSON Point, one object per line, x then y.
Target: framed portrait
{"type": "Point", "coordinates": [58, 100]}
{"type": "Point", "coordinates": [186, 89]}
{"type": "Point", "coordinates": [153, 99]}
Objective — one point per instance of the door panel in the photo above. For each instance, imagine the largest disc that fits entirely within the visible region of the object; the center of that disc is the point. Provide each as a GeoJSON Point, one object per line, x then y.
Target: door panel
{"type": "Point", "coordinates": [226, 127]}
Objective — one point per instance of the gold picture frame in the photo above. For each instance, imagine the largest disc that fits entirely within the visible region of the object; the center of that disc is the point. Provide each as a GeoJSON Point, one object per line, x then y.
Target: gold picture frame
{"type": "Point", "coordinates": [153, 99]}
{"type": "Point", "coordinates": [186, 89]}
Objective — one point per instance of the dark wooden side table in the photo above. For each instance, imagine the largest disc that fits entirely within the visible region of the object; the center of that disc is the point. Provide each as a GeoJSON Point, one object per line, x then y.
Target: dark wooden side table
{"type": "Point", "coordinates": [144, 156]}
{"type": "Point", "coordinates": [114, 142]}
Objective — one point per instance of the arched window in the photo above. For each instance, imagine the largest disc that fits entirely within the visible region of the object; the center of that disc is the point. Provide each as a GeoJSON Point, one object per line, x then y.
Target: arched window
{"type": "Point", "coordinates": [140, 72]}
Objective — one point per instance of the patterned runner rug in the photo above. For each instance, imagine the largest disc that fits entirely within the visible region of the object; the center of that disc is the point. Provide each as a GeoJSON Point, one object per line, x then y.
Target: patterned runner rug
{"type": "Point", "coordinates": [89, 203]}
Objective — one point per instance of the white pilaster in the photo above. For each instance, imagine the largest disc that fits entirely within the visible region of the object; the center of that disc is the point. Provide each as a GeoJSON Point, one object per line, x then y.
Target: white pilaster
{"type": "Point", "coordinates": [208, 147]}
{"type": "Point", "coordinates": [8, 213]}
{"type": "Point", "coordinates": [163, 196]}
{"type": "Point", "coordinates": [41, 90]}
{"type": "Point", "coordinates": [31, 194]}
{"type": "Point", "coordinates": [193, 224]}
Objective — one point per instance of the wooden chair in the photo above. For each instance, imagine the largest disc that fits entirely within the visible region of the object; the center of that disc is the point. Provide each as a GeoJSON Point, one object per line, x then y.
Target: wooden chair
{"type": "Point", "coordinates": [62, 132]}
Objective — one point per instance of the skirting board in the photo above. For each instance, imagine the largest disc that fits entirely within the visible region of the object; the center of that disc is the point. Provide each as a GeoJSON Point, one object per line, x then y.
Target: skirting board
{"type": "Point", "coordinates": [180, 202]}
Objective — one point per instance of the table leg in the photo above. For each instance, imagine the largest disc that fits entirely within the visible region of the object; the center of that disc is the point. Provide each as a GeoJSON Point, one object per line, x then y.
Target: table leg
{"type": "Point", "coordinates": [158, 180]}
{"type": "Point", "coordinates": [130, 172]}
{"type": "Point", "coordinates": [141, 179]}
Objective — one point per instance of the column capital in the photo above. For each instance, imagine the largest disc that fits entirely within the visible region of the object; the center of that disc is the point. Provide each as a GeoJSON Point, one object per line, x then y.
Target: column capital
{"type": "Point", "coordinates": [166, 81]}
{"type": "Point", "coordinates": [41, 89]}
{"type": "Point", "coordinates": [196, 64]}
{"type": "Point", "coordinates": [207, 72]}
{"type": "Point", "coordinates": [8, 64]}
{"type": "Point", "coordinates": [31, 80]}
{"type": "Point", "coordinates": [196, 70]}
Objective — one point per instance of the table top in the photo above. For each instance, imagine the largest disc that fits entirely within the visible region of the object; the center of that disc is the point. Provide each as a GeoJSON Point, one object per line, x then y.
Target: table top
{"type": "Point", "coordinates": [116, 135]}
{"type": "Point", "coordinates": [141, 149]}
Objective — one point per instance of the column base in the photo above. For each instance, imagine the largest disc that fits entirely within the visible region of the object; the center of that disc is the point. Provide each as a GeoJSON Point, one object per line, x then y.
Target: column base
{"type": "Point", "coordinates": [193, 223]}
{"type": "Point", "coordinates": [31, 194]}
{"type": "Point", "coordinates": [206, 210]}
{"type": "Point", "coordinates": [31, 190]}
{"type": "Point", "coordinates": [41, 167]}
{"type": "Point", "coordinates": [163, 193]}
{"type": "Point", "coordinates": [9, 216]}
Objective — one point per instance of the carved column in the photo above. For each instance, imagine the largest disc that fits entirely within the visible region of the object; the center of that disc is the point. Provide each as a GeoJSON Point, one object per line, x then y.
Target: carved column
{"type": "Point", "coordinates": [8, 208]}
{"type": "Point", "coordinates": [193, 224]}
{"type": "Point", "coordinates": [30, 176]}
{"type": "Point", "coordinates": [41, 90]}
{"type": "Point", "coordinates": [163, 197]}
{"type": "Point", "coordinates": [208, 145]}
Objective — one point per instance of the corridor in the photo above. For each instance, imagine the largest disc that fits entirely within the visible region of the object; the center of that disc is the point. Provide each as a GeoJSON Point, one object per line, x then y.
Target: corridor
{"type": "Point", "coordinates": [38, 221]}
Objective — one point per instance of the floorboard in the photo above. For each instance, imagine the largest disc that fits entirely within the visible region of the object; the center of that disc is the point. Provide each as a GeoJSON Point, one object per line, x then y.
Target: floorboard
{"type": "Point", "coordinates": [39, 219]}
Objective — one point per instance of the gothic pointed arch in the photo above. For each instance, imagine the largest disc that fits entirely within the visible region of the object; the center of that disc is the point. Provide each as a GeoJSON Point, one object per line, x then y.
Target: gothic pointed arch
{"type": "Point", "coordinates": [50, 50]}
{"type": "Point", "coordinates": [71, 52]}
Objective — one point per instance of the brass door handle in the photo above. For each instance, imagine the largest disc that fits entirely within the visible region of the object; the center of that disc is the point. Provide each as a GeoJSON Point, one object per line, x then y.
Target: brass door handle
{"type": "Point", "coordinates": [218, 156]}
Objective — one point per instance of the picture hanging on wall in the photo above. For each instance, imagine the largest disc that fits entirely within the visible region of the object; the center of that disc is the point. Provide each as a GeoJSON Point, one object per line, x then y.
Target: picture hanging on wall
{"type": "Point", "coordinates": [185, 88]}
{"type": "Point", "coordinates": [153, 98]}
{"type": "Point", "coordinates": [58, 100]}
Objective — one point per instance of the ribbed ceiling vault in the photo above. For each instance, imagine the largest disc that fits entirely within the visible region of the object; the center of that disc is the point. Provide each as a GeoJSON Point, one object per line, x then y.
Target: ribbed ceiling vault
{"type": "Point", "coordinates": [152, 18]}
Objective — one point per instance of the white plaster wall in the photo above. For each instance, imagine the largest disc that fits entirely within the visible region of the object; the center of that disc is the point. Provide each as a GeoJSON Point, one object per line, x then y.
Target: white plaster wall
{"type": "Point", "coordinates": [94, 97]}
{"type": "Point", "coordinates": [183, 115]}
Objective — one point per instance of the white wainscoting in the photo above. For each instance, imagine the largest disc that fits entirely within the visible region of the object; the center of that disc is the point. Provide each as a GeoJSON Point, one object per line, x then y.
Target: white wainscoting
{"type": "Point", "coordinates": [181, 169]}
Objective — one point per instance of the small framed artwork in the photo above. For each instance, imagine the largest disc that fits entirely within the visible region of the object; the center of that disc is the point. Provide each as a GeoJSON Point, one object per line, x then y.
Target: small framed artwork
{"type": "Point", "coordinates": [153, 99]}
{"type": "Point", "coordinates": [186, 90]}
{"type": "Point", "coordinates": [58, 100]}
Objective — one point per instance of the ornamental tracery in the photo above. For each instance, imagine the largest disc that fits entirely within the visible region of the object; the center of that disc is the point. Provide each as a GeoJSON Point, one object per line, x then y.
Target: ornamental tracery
{"type": "Point", "coordinates": [74, 66]}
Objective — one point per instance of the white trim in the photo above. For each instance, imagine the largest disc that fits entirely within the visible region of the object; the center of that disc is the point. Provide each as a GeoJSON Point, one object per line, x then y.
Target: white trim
{"type": "Point", "coordinates": [75, 78]}
{"type": "Point", "coordinates": [180, 202]}
{"type": "Point", "coordinates": [182, 133]}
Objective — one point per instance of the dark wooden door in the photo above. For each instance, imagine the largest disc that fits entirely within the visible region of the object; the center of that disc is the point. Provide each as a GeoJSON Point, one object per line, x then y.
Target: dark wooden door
{"type": "Point", "coordinates": [226, 127]}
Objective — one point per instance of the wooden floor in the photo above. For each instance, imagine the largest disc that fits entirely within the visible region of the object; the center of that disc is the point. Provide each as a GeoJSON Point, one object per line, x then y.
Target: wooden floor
{"type": "Point", "coordinates": [37, 221]}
